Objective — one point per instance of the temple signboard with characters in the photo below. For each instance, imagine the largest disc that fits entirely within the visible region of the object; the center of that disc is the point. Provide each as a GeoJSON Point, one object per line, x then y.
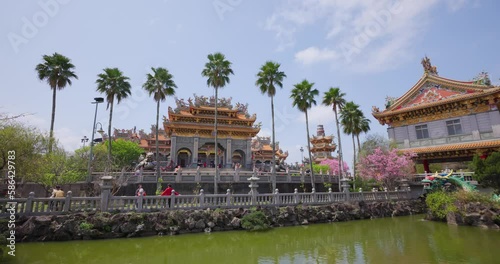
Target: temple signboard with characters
{"type": "Point", "coordinates": [444, 120]}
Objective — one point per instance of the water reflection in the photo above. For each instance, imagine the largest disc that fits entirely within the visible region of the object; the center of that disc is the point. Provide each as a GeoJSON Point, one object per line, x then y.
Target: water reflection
{"type": "Point", "coordinates": [388, 240]}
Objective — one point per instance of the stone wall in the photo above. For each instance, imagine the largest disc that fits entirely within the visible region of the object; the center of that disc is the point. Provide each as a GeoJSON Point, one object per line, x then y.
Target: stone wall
{"type": "Point", "coordinates": [472, 214]}
{"type": "Point", "coordinates": [106, 225]}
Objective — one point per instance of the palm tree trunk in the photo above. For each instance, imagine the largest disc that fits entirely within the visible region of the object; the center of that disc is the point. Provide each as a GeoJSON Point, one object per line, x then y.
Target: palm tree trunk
{"type": "Point", "coordinates": [273, 163]}
{"type": "Point", "coordinates": [157, 148]}
{"type": "Point", "coordinates": [216, 162]}
{"type": "Point", "coordinates": [359, 145]}
{"type": "Point", "coordinates": [309, 150]}
{"type": "Point", "coordinates": [341, 165]}
{"type": "Point", "coordinates": [52, 120]}
{"type": "Point", "coordinates": [354, 157]}
{"type": "Point", "coordinates": [109, 134]}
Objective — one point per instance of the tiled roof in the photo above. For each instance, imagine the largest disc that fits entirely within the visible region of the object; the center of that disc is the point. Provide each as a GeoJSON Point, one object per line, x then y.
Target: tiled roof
{"type": "Point", "coordinates": [460, 146]}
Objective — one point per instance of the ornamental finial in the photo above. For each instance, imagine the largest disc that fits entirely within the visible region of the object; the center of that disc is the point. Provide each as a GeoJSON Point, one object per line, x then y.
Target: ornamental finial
{"type": "Point", "coordinates": [428, 68]}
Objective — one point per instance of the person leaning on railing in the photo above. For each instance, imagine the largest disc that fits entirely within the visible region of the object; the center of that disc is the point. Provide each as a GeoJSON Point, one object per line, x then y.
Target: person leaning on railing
{"type": "Point", "coordinates": [168, 192]}
{"type": "Point", "coordinates": [56, 193]}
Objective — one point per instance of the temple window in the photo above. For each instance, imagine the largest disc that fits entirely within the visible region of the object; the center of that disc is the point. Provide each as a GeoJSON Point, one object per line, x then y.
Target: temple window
{"type": "Point", "coordinates": [454, 127]}
{"type": "Point", "coordinates": [422, 131]}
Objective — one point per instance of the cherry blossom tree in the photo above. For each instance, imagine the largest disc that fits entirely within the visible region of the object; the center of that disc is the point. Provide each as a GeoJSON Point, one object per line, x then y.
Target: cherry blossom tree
{"type": "Point", "coordinates": [334, 166]}
{"type": "Point", "coordinates": [386, 166]}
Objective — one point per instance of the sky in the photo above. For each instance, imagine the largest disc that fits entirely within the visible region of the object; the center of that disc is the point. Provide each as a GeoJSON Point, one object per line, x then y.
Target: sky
{"type": "Point", "coordinates": [369, 49]}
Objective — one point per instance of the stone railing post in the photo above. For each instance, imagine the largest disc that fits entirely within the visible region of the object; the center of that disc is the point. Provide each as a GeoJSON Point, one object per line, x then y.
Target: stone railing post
{"type": "Point", "coordinates": [276, 197]}
{"type": "Point", "coordinates": [228, 197]}
{"type": "Point", "coordinates": [296, 195]}
{"type": "Point", "coordinates": [314, 196]}
{"type": "Point", "coordinates": [106, 185]}
{"type": "Point", "coordinates": [330, 195]}
{"type": "Point", "coordinates": [141, 176]}
{"type": "Point", "coordinates": [237, 175]}
{"type": "Point", "coordinates": [67, 202]}
{"type": "Point", "coordinates": [178, 176]}
{"type": "Point", "coordinates": [140, 200]}
{"type": "Point", "coordinates": [253, 188]}
{"type": "Point", "coordinates": [197, 178]}
{"type": "Point", "coordinates": [172, 198]}
{"type": "Point", "coordinates": [345, 188]}
{"type": "Point", "coordinates": [29, 203]}
{"type": "Point", "coordinates": [404, 187]}
{"type": "Point", "coordinates": [202, 198]}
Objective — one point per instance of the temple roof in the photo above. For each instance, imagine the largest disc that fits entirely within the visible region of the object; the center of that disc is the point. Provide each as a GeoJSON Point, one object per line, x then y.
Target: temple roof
{"type": "Point", "coordinates": [433, 90]}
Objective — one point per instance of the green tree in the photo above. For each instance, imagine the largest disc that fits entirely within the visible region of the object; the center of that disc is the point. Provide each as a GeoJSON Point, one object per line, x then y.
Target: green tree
{"type": "Point", "coordinates": [349, 116]}
{"type": "Point", "coordinates": [303, 98]}
{"type": "Point", "coordinates": [487, 171]}
{"type": "Point", "coordinates": [125, 152]}
{"type": "Point", "coordinates": [160, 84]}
{"type": "Point", "coordinates": [362, 125]}
{"type": "Point", "coordinates": [57, 70]}
{"type": "Point", "coordinates": [217, 71]}
{"type": "Point", "coordinates": [268, 78]}
{"type": "Point", "coordinates": [114, 85]}
{"type": "Point", "coordinates": [335, 98]}
{"type": "Point", "coordinates": [28, 145]}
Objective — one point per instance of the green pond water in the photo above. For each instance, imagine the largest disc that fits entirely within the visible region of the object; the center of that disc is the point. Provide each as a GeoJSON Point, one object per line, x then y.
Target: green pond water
{"type": "Point", "coordinates": [388, 240]}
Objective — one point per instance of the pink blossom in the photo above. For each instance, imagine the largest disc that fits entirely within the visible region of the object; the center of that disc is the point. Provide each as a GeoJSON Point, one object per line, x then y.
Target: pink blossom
{"type": "Point", "coordinates": [387, 167]}
{"type": "Point", "coordinates": [334, 166]}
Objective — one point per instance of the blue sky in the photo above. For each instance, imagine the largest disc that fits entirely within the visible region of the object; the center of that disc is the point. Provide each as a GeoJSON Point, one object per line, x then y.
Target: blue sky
{"type": "Point", "coordinates": [370, 49]}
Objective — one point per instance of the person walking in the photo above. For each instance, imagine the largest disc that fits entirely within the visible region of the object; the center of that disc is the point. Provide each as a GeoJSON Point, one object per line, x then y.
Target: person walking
{"type": "Point", "coordinates": [168, 192]}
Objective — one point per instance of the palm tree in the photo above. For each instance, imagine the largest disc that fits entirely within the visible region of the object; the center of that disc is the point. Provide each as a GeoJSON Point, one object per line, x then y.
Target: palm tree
{"type": "Point", "coordinates": [268, 78]}
{"type": "Point", "coordinates": [115, 85]}
{"type": "Point", "coordinates": [160, 85]}
{"type": "Point", "coordinates": [361, 126]}
{"type": "Point", "coordinates": [335, 98]}
{"type": "Point", "coordinates": [217, 71]}
{"type": "Point", "coordinates": [303, 98]}
{"type": "Point", "coordinates": [57, 70]}
{"type": "Point", "coordinates": [349, 116]}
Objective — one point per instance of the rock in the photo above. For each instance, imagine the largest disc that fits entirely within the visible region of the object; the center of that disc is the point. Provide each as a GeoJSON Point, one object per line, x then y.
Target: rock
{"type": "Point", "coordinates": [127, 228]}
{"type": "Point", "coordinates": [304, 222]}
{"type": "Point", "coordinates": [236, 222]}
{"type": "Point", "coordinates": [200, 224]}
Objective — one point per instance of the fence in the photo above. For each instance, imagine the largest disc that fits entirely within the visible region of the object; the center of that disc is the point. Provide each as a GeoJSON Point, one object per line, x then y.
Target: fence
{"type": "Point", "coordinates": [225, 176]}
{"type": "Point", "coordinates": [107, 203]}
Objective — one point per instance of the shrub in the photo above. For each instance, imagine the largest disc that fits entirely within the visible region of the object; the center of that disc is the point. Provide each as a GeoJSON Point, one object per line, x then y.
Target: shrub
{"type": "Point", "coordinates": [473, 197]}
{"type": "Point", "coordinates": [440, 204]}
{"type": "Point", "coordinates": [86, 226]}
{"type": "Point", "coordinates": [255, 221]}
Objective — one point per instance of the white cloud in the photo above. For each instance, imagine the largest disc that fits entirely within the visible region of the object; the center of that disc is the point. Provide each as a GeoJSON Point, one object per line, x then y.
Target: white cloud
{"type": "Point", "coordinates": [359, 35]}
{"type": "Point", "coordinates": [313, 55]}
{"type": "Point", "coordinates": [319, 114]}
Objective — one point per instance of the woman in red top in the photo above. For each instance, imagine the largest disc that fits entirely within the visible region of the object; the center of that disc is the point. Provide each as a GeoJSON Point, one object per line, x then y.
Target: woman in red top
{"type": "Point", "coordinates": [168, 192]}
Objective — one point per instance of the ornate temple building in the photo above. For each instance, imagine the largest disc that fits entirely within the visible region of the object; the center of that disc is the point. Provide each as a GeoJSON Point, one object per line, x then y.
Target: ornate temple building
{"type": "Point", "coordinates": [322, 146]}
{"type": "Point", "coordinates": [146, 141]}
{"type": "Point", "coordinates": [444, 120]}
{"type": "Point", "coordinates": [190, 127]}
{"type": "Point", "coordinates": [262, 151]}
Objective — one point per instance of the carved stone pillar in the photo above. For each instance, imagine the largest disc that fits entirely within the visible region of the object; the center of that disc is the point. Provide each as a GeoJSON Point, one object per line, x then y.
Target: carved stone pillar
{"type": "Point", "coordinates": [229, 154]}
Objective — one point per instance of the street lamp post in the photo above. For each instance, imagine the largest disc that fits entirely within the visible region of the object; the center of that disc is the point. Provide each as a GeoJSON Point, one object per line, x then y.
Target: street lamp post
{"type": "Point", "coordinates": [97, 101]}
{"type": "Point", "coordinates": [85, 139]}
{"type": "Point", "coordinates": [302, 155]}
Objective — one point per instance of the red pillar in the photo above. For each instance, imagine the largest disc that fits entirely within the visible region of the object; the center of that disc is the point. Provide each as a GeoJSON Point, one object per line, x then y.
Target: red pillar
{"type": "Point", "coordinates": [426, 166]}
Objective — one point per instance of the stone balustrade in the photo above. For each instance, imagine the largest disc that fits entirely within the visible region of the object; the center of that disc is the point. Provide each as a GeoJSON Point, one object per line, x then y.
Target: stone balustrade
{"type": "Point", "coordinates": [107, 203]}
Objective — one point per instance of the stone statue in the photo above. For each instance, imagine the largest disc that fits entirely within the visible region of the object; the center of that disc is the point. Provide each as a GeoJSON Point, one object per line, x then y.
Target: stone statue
{"type": "Point", "coordinates": [375, 109]}
{"type": "Point", "coordinates": [147, 163]}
